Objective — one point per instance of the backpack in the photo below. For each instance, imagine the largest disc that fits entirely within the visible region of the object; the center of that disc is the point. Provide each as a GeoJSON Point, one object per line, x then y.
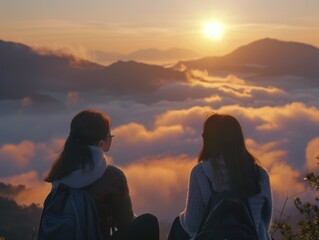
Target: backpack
{"type": "Point", "coordinates": [226, 217]}
{"type": "Point", "coordinates": [69, 214]}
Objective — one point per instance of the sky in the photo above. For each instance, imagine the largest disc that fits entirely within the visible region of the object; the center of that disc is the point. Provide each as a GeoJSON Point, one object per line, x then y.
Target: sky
{"type": "Point", "coordinates": [125, 26]}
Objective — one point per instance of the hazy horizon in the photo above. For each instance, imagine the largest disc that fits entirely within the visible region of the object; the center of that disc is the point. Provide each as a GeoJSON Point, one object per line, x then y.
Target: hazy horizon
{"type": "Point", "coordinates": [143, 55]}
{"type": "Point", "coordinates": [108, 26]}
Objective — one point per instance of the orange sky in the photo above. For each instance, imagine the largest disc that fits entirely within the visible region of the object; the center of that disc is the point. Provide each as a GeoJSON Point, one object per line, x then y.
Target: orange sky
{"type": "Point", "coordinates": [125, 26]}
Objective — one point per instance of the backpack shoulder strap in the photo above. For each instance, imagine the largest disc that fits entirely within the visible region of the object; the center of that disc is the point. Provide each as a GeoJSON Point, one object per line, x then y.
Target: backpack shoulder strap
{"type": "Point", "coordinates": [250, 214]}
{"type": "Point", "coordinates": [208, 206]}
{"type": "Point", "coordinates": [88, 225]}
{"type": "Point", "coordinates": [205, 215]}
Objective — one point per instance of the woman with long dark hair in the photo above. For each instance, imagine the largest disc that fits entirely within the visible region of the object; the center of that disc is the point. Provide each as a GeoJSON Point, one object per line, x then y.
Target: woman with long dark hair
{"type": "Point", "coordinates": [224, 163]}
{"type": "Point", "coordinates": [82, 164]}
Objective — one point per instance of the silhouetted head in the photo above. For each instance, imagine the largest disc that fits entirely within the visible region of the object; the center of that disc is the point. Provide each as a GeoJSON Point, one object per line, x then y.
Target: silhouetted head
{"type": "Point", "coordinates": [88, 128]}
{"type": "Point", "coordinates": [223, 138]}
{"type": "Point", "coordinates": [91, 127]}
{"type": "Point", "coordinates": [221, 133]}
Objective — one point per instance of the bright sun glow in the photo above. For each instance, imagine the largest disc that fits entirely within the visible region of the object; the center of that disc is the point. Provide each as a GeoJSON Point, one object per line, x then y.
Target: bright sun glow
{"type": "Point", "coordinates": [213, 30]}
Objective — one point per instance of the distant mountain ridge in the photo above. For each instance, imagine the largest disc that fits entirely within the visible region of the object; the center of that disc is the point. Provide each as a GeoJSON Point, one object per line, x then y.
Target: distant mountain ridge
{"type": "Point", "coordinates": [172, 53]}
{"type": "Point", "coordinates": [267, 57]}
{"type": "Point", "coordinates": [24, 72]}
{"type": "Point", "coordinates": [145, 55]}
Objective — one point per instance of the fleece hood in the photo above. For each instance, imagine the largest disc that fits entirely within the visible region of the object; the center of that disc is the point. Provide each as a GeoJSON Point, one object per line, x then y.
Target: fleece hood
{"type": "Point", "coordinates": [81, 178]}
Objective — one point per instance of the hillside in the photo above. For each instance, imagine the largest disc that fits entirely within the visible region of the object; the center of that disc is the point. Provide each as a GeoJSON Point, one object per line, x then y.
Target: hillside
{"type": "Point", "coordinates": [17, 222]}
{"type": "Point", "coordinates": [264, 57]}
{"type": "Point", "coordinates": [144, 55]}
{"type": "Point", "coordinates": [25, 72]}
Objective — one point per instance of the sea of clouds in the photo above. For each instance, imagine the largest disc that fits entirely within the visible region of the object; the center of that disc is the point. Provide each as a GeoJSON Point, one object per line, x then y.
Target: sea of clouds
{"type": "Point", "coordinates": [156, 144]}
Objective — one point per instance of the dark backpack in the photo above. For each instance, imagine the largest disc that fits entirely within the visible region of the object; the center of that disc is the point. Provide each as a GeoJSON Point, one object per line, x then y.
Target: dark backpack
{"type": "Point", "coordinates": [69, 214]}
{"type": "Point", "coordinates": [226, 217]}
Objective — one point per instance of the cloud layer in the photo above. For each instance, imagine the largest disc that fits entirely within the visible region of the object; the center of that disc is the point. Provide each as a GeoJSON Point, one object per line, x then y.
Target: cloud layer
{"type": "Point", "coordinates": [157, 144]}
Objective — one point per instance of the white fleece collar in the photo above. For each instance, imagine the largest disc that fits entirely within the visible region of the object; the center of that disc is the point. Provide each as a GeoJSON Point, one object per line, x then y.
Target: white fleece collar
{"type": "Point", "coordinates": [208, 170]}
{"type": "Point", "coordinates": [219, 183]}
{"type": "Point", "coordinates": [80, 178]}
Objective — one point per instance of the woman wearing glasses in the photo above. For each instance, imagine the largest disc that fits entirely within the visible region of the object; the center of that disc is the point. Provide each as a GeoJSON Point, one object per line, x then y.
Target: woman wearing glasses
{"type": "Point", "coordinates": [82, 164]}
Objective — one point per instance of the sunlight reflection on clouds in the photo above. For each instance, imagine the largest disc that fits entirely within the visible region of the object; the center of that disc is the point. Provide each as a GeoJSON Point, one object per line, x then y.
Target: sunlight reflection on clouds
{"type": "Point", "coordinates": [156, 144]}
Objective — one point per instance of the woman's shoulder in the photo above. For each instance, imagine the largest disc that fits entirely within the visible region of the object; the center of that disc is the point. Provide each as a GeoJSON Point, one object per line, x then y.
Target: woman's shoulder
{"type": "Point", "coordinates": [111, 176]}
{"type": "Point", "coordinates": [114, 171]}
{"type": "Point", "coordinates": [197, 169]}
{"type": "Point", "coordinates": [264, 174]}
{"type": "Point", "coordinates": [201, 172]}
{"type": "Point", "coordinates": [264, 181]}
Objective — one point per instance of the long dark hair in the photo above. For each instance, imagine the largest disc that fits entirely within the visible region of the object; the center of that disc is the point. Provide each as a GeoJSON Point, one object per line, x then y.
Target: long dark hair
{"type": "Point", "coordinates": [223, 137]}
{"type": "Point", "coordinates": [88, 127]}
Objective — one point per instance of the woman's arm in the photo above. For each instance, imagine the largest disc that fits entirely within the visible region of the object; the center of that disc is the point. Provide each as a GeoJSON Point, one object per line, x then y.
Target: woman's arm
{"type": "Point", "coordinates": [267, 208]}
{"type": "Point", "coordinates": [122, 211]}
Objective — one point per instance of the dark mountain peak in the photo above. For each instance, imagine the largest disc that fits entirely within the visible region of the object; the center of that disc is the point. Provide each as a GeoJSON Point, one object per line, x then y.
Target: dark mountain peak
{"type": "Point", "coordinates": [266, 41]}
{"type": "Point", "coordinates": [9, 44]}
{"type": "Point", "coordinates": [123, 70]}
{"type": "Point", "coordinates": [133, 65]}
{"type": "Point", "coordinates": [130, 77]}
{"type": "Point", "coordinates": [272, 42]}
{"type": "Point", "coordinates": [146, 55]}
{"type": "Point", "coordinates": [9, 49]}
{"type": "Point", "coordinates": [267, 50]}
{"type": "Point", "coordinates": [120, 64]}
{"type": "Point", "coordinates": [264, 57]}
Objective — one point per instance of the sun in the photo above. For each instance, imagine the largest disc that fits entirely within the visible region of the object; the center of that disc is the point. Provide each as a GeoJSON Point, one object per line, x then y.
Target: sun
{"type": "Point", "coordinates": [213, 30]}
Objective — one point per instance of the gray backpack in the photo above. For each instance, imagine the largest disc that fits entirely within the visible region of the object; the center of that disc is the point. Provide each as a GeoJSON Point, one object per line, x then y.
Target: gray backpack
{"type": "Point", "coordinates": [227, 217]}
{"type": "Point", "coordinates": [69, 214]}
